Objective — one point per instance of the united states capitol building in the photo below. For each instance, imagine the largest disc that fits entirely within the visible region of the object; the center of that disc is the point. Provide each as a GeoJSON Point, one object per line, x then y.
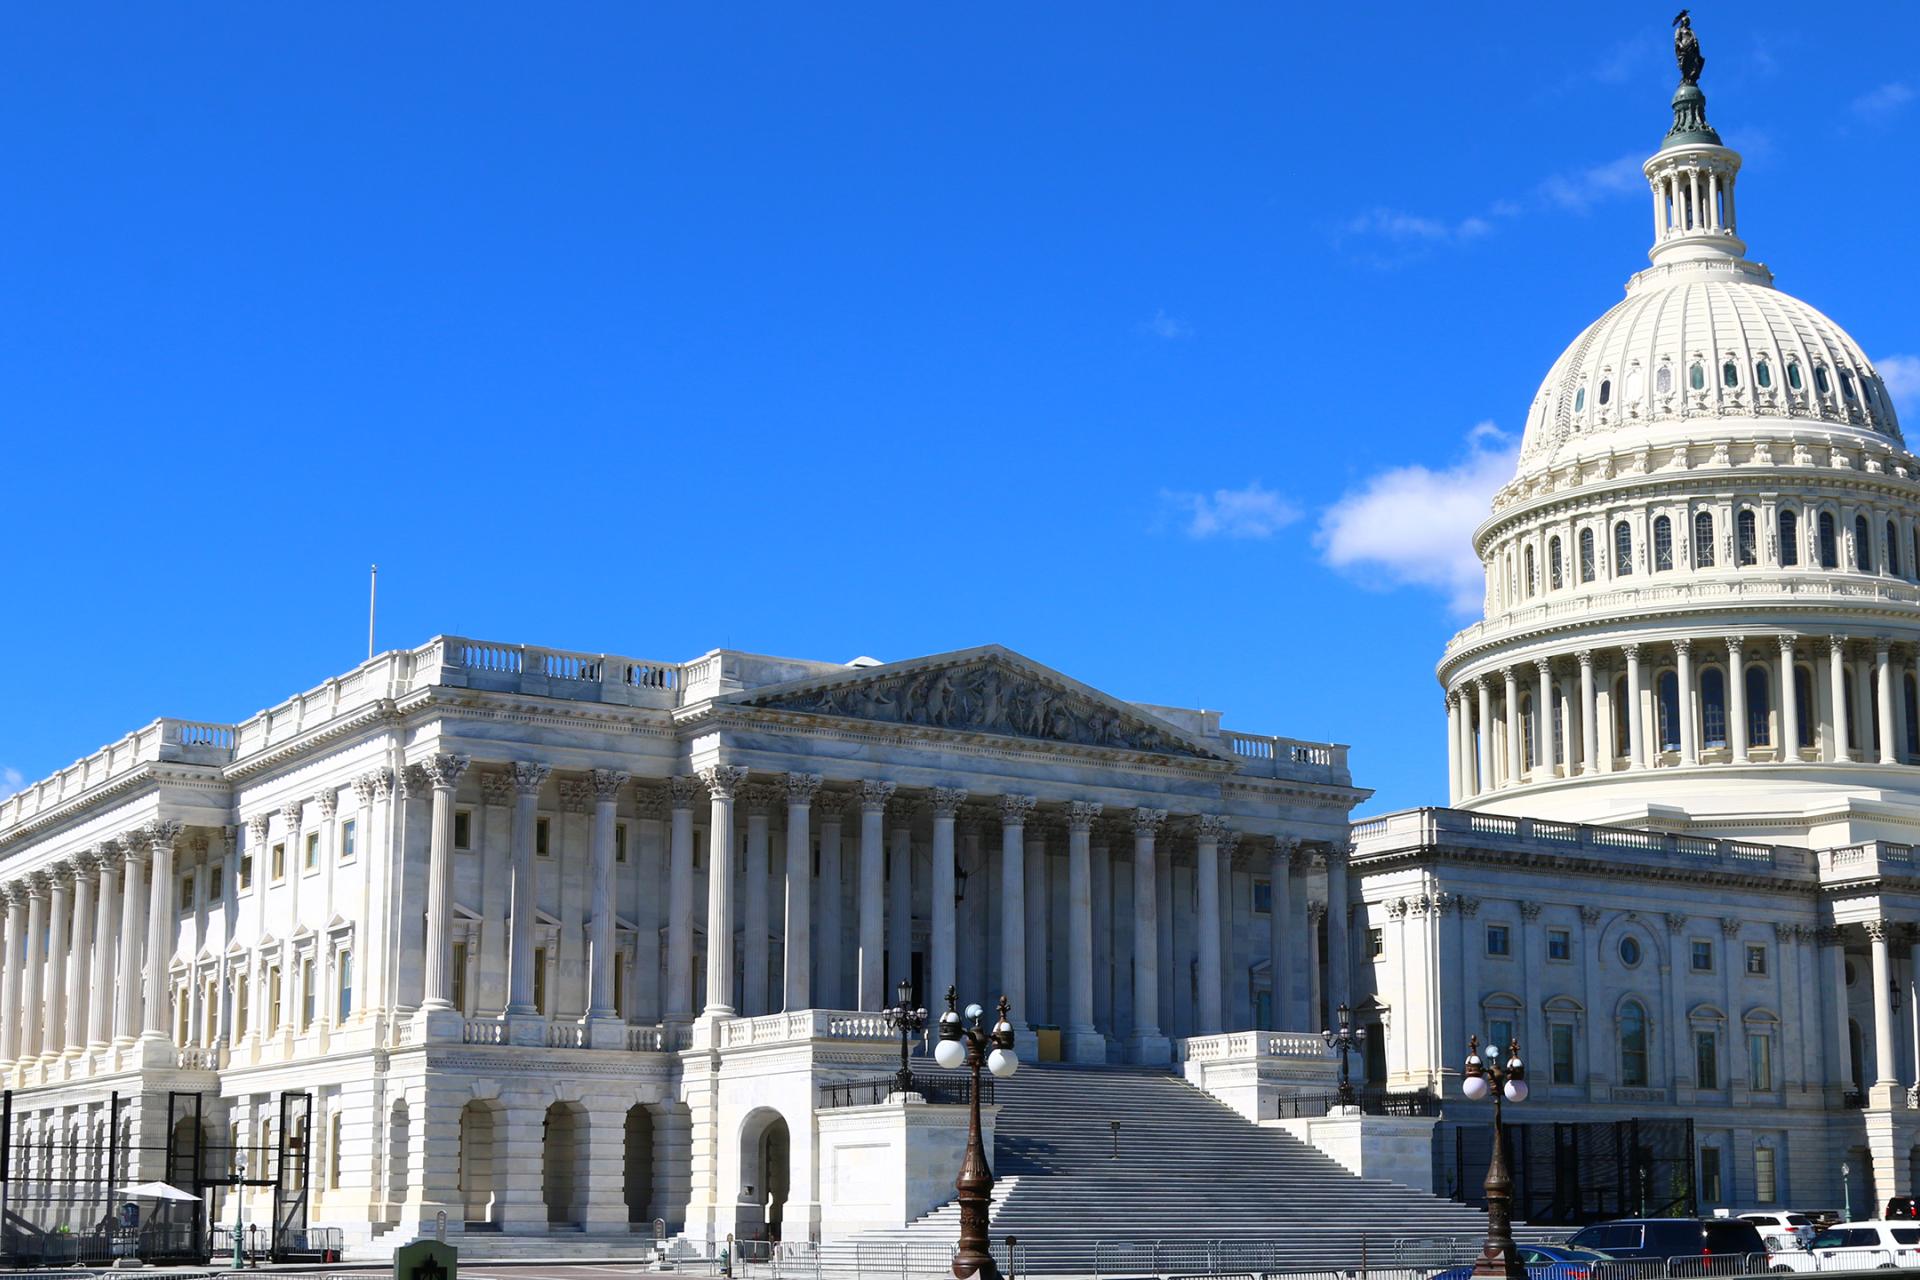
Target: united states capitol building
{"type": "Point", "coordinates": [548, 941]}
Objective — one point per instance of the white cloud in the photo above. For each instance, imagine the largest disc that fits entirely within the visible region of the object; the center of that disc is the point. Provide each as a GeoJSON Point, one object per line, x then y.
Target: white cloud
{"type": "Point", "coordinates": [1901, 373]}
{"type": "Point", "coordinates": [1413, 525]}
{"type": "Point", "coordinates": [1401, 227]}
{"type": "Point", "coordinates": [1168, 327]}
{"type": "Point", "coordinates": [1877, 104]}
{"type": "Point", "coordinates": [11, 780]}
{"type": "Point", "coordinates": [1582, 189]}
{"type": "Point", "coordinates": [1250, 512]}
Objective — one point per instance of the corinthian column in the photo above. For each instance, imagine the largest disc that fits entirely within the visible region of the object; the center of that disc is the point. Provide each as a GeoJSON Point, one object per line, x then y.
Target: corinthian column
{"type": "Point", "coordinates": [1789, 703]}
{"type": "Point", "coordinates": [755, 917]}
{"type": "Point", "coordinates": [1206, 857]}
{"type": "Point", "coordinates": [829, 986]}
{"type": "Point", "coordinates": [1339, 951]}
{"type": "Point", "coordinates": [443, 771]}
{"type": "Point", "coordinates": [528, 776]}
{"type": "Point", "coordinates": [606, 794]}
{"type": "Point", "coordinates": [1636, 719]}
{"type": "Point", "coordinates": [1516, 773]}
{"type": "Point", "coordinates": [1280, 934]}
{"type": "Point", "coordinates": [1147, 1044]}
{"type": "Point", "coordinates": [1014, 812]}
{"type": "Point", "coordinates": [1589, 718]}
{"type": "Point", "coordinates": [1883, 701]}
{"type": "Point", "coordinates": [1084, 1044]}
{"type": "Point", "coordinates": [873, 887]}
{"type": "Point", "coordinates": [1737, 699]}
{"type": "Point", "coordinates": [160, 941]}
{"type": "Point", "coordinates": [1837, 673]}
{"type": "Point", "coordinates": [1484, 699]}
{"type": "Point", "coordinates": [682, 793]}
{"type": "Point", "coordinates": [797, 966]}
{"type": "Point", "coordinates": [100, 1015]}
{"type": "Point", "coordinates": [1689, 735]}
{"type": "Point", "coordinates": [53, 973]}
{"type": "Point", "coordinates": [127, 1017]}
{"type": "Point", "coordinates": [15, 896]}
{"type": "Point", "coordinates": [722, 782]}
{"type": "Point", "coordinates": [942, 970]}
{"type": "Point", "coordinates": [79, 986]}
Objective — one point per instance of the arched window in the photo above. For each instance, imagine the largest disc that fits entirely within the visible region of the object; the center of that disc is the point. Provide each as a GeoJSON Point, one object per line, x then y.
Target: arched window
{"type": "Point", "coordinates": [1662, 544]}
{"type": "Point", "coordinates": [1554, 580]}
{"type": "Point", "coordinates": [1862, 545]}
{"type": "Point", "coordinates": [1580, 399]}
{"type": "Point", "coordinates": [1533, 583]}
{"type": "Point", "coordinates": [1703, 539]}
{"type": "Point", "coordinates": [1697, 376]}
{"type": "Point", "coordinates": [1636, 383]}
{"type": "Point", "coordinates": [1893, 550]}
{"type": "Point", "coordinates": [1820, 382]}
{"type": "Point", "coordinates": [1730, 374]}
{"type": "Point", "coordinates": [1586, 555]}
{"type": "Point", "coordinates": [1759, 708]}
{"type": "Point", "coordinates": [1559, 730]}
{"type": "Point", "coordinates": [1846, 383]}
{"type": "Point", "coordinates": [1621, 741]}
{"type": "Point", "coordinates": [1793, 374]}
{"type": "Point", "coordinates": [1633, 1045]}
{"type": "Point", "coordinates": [1763, 374]}
{"type": "Point", "coordinates": [1663, 380]}
{"type": "Point", "coordinates": [1829, 542]}
{"type": "Point", "coordinates": [1803, 702]}
{"type": "Point", "coordinates": [1606, 392]}
{"type": "Point", "coordinates": [1527, 735]}
{"type": "Point", "coordinates": [1746, 538]}
{"type": "Point", "coordinates": [1668, 687]}
{"type": "Point", "coordinates": [1789, 537]}
{"type": "Point", "coordinates": [1623, 548]}
{"type": "Point", "coordinates": [1713, 707]}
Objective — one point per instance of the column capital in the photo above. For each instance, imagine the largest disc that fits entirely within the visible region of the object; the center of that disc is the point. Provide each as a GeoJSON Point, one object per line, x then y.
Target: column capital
{"type": "Point", "coordinates": [1584, 657]}
{"type": "Point", "coordinates": [1544, 666]}
{"type": "Point", "coordinates": [363, 789]}
{"type": "Point", "coordinates": [575, 794]}
{"type": "Point", "coordinates": [802, 788]}
{"type": "Point", "coordinates": [162, 831]}
{"type": "Point", "coordinates": [1838, 644]}
{"type": "Point", "coordinates": [444, 770]}
{"type": "Point", "coordinates": [1336, 851]}
{"type": "Point", "coordinates": [1879, 930]}
{"type": "Point", "coordinates": [1676, 921]}
{"type": "Point", "coordinates": [1210, 827]}
{"type": "Point", "coordinates": [327, 802]}
{"type": "Point", "coordinates": [1787, 643]}
{"type": "Point", "coordinates": [1468, 906]}
{"type": "Point", "coordinates": [1631, 652]}
{"type": "Point", "coordinates": [606, 783]}
{"type": "Point", "coordinates": [528, 776]}
{"type": "Point", "coordinates": [1881, 650]}
{"type": "Point", "coordinates": [1082, 814]}
{"type": "Point", "coordinates": [257, 828]}
{"type": "Point", "coordinates": [1730, 926]}
{"type": "Point", "coordinates": [38, 882]}
{"type": "Point", "coordinates": [13, 893]}
{"type": "Point", "coordinates": [60, 872]}
{"type": "Point", "coordinates": [722, 781]}
{"type": "Point", "coordinates": [1147, 822]}
{"type": "Point", "coordinates": [133, 845]}
{"type": "Point", "coordinates": [1229, 843]}
{"type": "Point", "coordinates": [1015, 810]}
{"type": "Point", "coordinates": [1284, 847]}
{"type": "Point", "coordinates": [290, 815]}
{"type": "Point", "coordinates": [760, 799]}
{"type": "Point", "coordinates": [100, 857]}
{"type": "Point", "coordinates": [1479, 684]}
{"type": "Point", "coordinates": [1736, 645]}
{"type": "Point", "coordinates": [1317, 911]}
{"type": "Point", "coordinates": [683, 792]}
{"type": "Point", "coordinates": [1683, 647]}
{"type": "Point", "coordinates": [947, 801]}
{"type": "Point", "coordinates": [1509, 675]}
{"type": "Point", "coordinates": [496, 788]}
{"type": "Point", "coordinates": [1590, 916]}
{"type": "Point", "coordinates": [650, 803]}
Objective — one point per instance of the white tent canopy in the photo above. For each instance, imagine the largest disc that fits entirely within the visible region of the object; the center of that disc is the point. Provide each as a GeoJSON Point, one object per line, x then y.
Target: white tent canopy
{"type": "Point", "coordinates": [157, 1191]}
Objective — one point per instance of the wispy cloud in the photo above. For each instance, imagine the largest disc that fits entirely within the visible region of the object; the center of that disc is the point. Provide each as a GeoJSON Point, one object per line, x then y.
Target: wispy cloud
{"type": "Point", "coordinates": [1901, 373]}
{"type": "Point", "coordinates": [1413, 525]}
{"type": "Point", "coordinates": [1249, 512]}
{"type": "Point", "coordinates": [1878, 104]}
{"type": "Point", "coordinates": [1166, 327]}
{"type": "Point", "coordinates": [11, 780]}
{"type": "Point", "coordinates": [1581, 189]}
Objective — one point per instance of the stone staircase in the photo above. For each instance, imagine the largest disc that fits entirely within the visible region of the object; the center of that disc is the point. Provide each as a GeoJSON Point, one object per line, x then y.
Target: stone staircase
{"type": "Point", "coordinates": [1189, 1170]}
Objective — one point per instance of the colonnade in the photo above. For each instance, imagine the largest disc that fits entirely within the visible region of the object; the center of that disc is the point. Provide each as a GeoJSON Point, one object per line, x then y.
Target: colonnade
{"type": "Point", "coordinates": [1693, 700]}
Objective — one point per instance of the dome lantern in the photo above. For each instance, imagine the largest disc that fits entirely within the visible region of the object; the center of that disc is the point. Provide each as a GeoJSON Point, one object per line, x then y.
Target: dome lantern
{"type": "Point", "coordinates": [1692, 174]}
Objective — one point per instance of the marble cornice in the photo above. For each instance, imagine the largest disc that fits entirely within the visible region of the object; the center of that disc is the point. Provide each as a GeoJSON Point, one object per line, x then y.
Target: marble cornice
{"type": "Point", "coordinates": [1476, 856]}
{"type": "Point", "coordinates": [1330, 794]}
{"type": "Point", "coordinates": [385, 711]}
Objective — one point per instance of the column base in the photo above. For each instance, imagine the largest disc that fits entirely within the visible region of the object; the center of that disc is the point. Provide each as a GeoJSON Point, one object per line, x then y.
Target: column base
{"type": "Point", "coordinates": [706, 1027]}
{"type": "Point", "coordinates": [526, 1029]}
{"type": "Point", "coordinates": [441, 1026]}
{"type": "Point", "coordinates": [1886, 1097]}
{"type": "Point", "coordinates": [153, 1049]}
{"type": "Point", "coordinates": [1150, 1048]}
{"type": "Point", "coordinates": [1084, 1045]}
{"type": "Point", "coordinates": [606, 1033]}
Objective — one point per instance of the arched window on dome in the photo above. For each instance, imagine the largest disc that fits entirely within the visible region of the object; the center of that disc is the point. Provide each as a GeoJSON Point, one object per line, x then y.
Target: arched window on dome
{"type": "Point", "coordinates": [1633, 1045]}
{"type": "Point", "coordinates": [1623, 548]}
{"type": "Point", "coordinates": [1533, 582]}
{"type": "Point", "coordinates": [1606, 392]}
{"type": "Point", "coordinates": [1759, 707]}
{"type": "Point", "coordinates": [1586, 555]}
{"type": "Point", "coordinates": [1803, 702]}
{"type": "Point", "coordinates": [1621, 730]}
{"type": "Point", "coordinates": [1663, 380]}
{"type": "Point", "coordinates": [1789, 537]}
{"type": "Point", "coordinates": [1697, 376]}
{"type": "Point", "coordinates": [1793, 374]}
{"type": "Point", "coordinates": [1662, 544]}
{"type": "Point", "coordinates": [1554, 578]}
{"type": "Point", "coordinates": [1746, 538]}
{"type": "Point", "coordinates": [1559, 724]}
{"type": "Point", "coordinates": [1893, 551]}
{"type": "Point", "coordinates": [1713, 708]}
{"type": "Point", "coordinates": [1636, 384]}
{"type": "Point", "coordinates": [1763, 373]}
{"type": "Point", "coordinates": [1667, 704]}
{"type": "Point", "coordinates": [1820, 382]}
{"type": "Point", "coordinates": [1703, 539]}
{"type": "Point", "coordinates": [1829, 542]}
{"type": "Point", "coordinates": [1730, 374]}
{"type": "Point", "coordinates": [1846, 384]}
{"type": "Point", "coordinates": [1862, 545]}
{"type": "Point", "coordinates": [1580, 399]}
{"type": "Point", "coordinates": [1527, 736]}
{"type": "Point", "coordinates": [1867, 388]}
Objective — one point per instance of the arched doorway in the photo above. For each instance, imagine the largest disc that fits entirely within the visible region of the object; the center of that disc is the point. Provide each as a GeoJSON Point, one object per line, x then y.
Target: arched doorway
{"type": "Point", "coordinates": [399, 1131]}
{"type": "Point", "coordinates": [638, 1162]}
{"type": "Point", "coordinates": [564, 1164]}
{"type": "Point", "coordinates": [479, 1193]}
{"type": "Point", "coordinates": [765, 1150]}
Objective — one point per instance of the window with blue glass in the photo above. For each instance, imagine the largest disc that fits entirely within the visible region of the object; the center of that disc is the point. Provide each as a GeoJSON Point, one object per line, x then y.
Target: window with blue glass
{"type": "Point", "coordinates": [1668, 700]}
{"type": "Point", "coordinates": [1713, 707]}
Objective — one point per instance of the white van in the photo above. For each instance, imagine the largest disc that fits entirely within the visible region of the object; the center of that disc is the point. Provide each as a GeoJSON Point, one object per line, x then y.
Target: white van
{"type": "Point", "coordinates": [1782, 1230]}
{"type": "Point", "coordinates": [1856, 1246]}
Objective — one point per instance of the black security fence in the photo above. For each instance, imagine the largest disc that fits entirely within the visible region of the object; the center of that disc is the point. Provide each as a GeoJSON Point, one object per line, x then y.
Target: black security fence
{"type": "Point", "coordinates": [1575, 1173]}
{"type": "Point", "coordinates": [84, 1190]}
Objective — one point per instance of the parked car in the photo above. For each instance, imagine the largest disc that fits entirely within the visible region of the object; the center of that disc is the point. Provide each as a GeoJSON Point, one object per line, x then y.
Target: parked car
{"type": "Point", "coordinates": [1902, 1207]}
{"type": "Point", "coordinates": [1543, 1262]}
{"type": "Point", "coordinates": [1783, 1230]}
{"type": "Point", "coordinates": [1856, 1246]}
{"type": "Point", "coordinates": [1670, 1238]}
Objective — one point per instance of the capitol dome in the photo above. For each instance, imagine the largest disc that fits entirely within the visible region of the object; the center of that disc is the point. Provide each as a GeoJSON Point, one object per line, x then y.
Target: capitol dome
{"type": "Point", "coordinates": [1702, 601]}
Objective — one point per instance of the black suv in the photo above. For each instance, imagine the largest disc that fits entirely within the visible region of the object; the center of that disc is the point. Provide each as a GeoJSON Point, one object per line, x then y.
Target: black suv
{"type": "Point", "coordinates": [1670, 1238]}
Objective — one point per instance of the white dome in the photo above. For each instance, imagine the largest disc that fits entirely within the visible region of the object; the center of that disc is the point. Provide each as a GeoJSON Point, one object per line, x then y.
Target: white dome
{"type": "Point", "coordinates": [1631, 376]}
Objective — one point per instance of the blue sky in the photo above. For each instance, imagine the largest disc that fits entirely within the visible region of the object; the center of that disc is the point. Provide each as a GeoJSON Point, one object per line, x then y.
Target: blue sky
{"type": "Point", "coordinates": [1175, 346]}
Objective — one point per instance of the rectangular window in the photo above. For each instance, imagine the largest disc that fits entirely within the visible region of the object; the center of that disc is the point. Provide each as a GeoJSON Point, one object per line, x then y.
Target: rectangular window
{"type": "Point", "coordinates": [1263, 898]}
{"type": "Point", "coordinates": [1376, 942]}
{"type": "Point", "coordinates": [540, 979]}
{"type": "Point", "coordinates": [1710, 1174]}
{"type": "Point", "coordinates": [460, 976]}
{"type": "Point", "coordinates": [186, 892]}
{"type": "Point", "coordinates": [242, 998]}
{"type": "Point", "coordinates": [1756, 960]}
{"type": "Point", "coordinates": [1766, 1187]}
{"type": "Point", "coordinates": [349, 840]}
{"type": "Point", "coordinates": [1706, 1063]}
{"type": "Point", "coordinates": [246, 872]}
{"type": "Point", "coordinates": [620, 842]}
{"type": "Point", "coordinates": [1499, 1036]}
{"type": "Point", "coordinates": [463, 829]}
{"type": "Point", "coordinates": [278, 862]}
{"type": "Point", "coordinates": [216, 884]}
{"type": "Point", "coordinates": [1499, 940]}
{"type": "Point", "coordinates": [344, 1007]}
{"type": "Point", "coordinates": [542, 830]}
{"type": "Point", "coordinates": [312, 860]}
{"type": "Point", "coordinates": [308, 996]}
{"type": "Point", "coordinates": [1702, 955]}
{"type": "Point", "coordinates": [209, 1011]}
{"type": "Point", "coordinates": [1561, 1034]}
{"type": "Point", "coordinates": [1559, 944]}
{"type": "Point", "coordinates": [273, 999]}
{"type": "Point", "coordinates": [1759, 1062]}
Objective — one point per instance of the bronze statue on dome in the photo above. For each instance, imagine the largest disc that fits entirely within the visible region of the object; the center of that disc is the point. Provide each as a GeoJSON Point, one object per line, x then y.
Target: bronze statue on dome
{"type": "Point", "coordinates": [1686, 50]}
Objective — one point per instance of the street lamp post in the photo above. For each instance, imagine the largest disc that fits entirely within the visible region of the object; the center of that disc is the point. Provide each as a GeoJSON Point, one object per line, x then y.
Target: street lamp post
{"type": "Point", "coordinates": [909, 1022]}
{"type": "Point", "coordinates": [1498, 1257]}
{"type": "Point", "coordinates": [960, 1042]}
{"type": "Point", "coordinates": [1344, 1042]}
{"type": "Point", "coordinates": [239, 1208]}
{"type": "Point", "coordinates": [1846, 1190]}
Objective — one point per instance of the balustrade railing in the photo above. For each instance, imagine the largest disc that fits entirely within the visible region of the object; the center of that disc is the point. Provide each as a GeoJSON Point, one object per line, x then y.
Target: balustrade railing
{"type": "Point", "coordinates": [1250, 1044]}
{"type": "Point", "coordinates": [1458, 826]}
{"type": "Point", "coordinates": [1422, 1102]}
{"type": "Point", "coordinates": [940, 1088]}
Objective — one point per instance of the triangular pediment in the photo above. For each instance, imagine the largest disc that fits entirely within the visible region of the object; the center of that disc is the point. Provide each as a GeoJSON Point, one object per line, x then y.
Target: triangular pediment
{"type": "Point", "coordinates": [989, 690]}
